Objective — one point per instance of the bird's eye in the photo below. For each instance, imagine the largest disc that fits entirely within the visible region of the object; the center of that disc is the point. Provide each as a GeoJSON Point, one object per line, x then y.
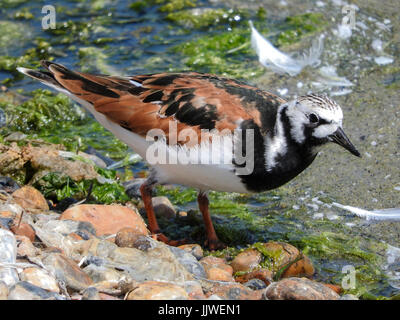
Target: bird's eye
{"type": "Point", "coordinates": [313, 118]}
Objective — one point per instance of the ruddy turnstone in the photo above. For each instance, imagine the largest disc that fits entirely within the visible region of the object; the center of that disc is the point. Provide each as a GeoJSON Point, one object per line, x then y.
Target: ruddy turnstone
{"type": "Point", "coordinates": [190, 120]}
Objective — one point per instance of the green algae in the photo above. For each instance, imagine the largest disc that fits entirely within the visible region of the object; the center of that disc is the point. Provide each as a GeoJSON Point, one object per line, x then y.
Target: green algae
{"type": "Point", "coordinates": [57, 187]}
{"type": "Point", "coordinates": [299, 26]}
{"type": "Point", "coordinates": [202, 18]}
{"type": "Point", "coordinates": [226, 53]}
{"type": "Point", "coordinates": [55, 119]}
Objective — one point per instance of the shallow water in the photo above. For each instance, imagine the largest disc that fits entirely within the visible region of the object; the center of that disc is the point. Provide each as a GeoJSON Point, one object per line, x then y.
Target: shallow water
{"type": "Point", "coordinates": [107, 36]}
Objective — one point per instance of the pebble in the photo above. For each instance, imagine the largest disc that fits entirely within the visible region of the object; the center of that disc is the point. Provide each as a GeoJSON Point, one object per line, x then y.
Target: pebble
{"type": "Point", "coordinates": [157, 262]}
{"type": "Point", "coordinates": [235, 292]}
{"type": "Point", "coordinates": [163, 207]}
{"type": "Point", "coordinates": [348, 297]}
{"type": "Point", "coordinates": [195, 249]}
{"type": "Point", "coordinates": [8, 185]}
{"type": "Point", "coordinates": [106, 219]}
{"type": "Point", "coordinates": [288, 254]}
{"type": "Point", "coordinates": [126, 237]}
{"type": "Point", "coordinates": [8, 254]}
{"type": "Point", "coordinates": [30, 198]}
{"type": "Point", "coordinates": [24, 229]}
{"type": "Point", "coordinates": [3, 291]}
{"type": "Point", "coordinates": [189, 262]}
{"type": "Point", "coordinates": [299, 289]}
{"type": "Point", "coordinates": [255, 284]}
{"type": "Point", "coordinates": [262, 274]}
{"type": "Point", "coordinates": [102, 274]}
{"type": "Point", "coordinates": [194, 290]}
{"type": "Point", "coordinates": [154, 290]}
{"type": "Point", "coordinates": [25, 248]}
{"type": "Point", "coordinates": [39, 278]}
{"type": "Point", "coordinates": [217, 269]}
{"type": "Point", "coordinates": [26, 291]}
{"type": "Point", "coordinates": [91, 293]}
{"type": "Point", "coordinates": [67, 270]}
{"type": "Point", "coordinates": [246, 260]}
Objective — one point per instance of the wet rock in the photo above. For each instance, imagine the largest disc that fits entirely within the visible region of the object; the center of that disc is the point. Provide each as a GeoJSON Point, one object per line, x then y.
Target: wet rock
{"type": "Point", "coordinates": [67, 271]}
{"type": "Point", "coordinates": [91, 293]}
{"type": "Point", "coordinates": [194, 290]}
{"type": "Point", "coordinates": [39, 278]}
{"type": "Point", "coordinates": [25, 248]}
{"type": "Point", "coordinates": [8, 185]}
{"type": "Point", "coordinates": [6, 223]}
{"type": "Point", "coordinates": [24, 229]}
{"type": "Point", "coordinates": [163, 207]}
{"type": "Point", "coordinates": [348, 297]}
{"type": "Point", "coordinates": [195, 249]}
{"type": "Point", "coordinates": [334, 287]}
{"type": "Point", "coordinates": [285, 254]}
{"type": "Point", "coordinates": [30, 198]}
{"type": "Point", "coordinates": [154, 290]}
{"type": "Point", "coordinates": [262, 274]}
{"type": "Point", "coordinates": [106, 219]}
{"type": "Point", "coordinates": [255, 284]}
{"type": "Point", "coordinates": [235, 292]}
{"type": "Point", "coordinates": [217, 269]}
{"type": "Point", "coordinates": [54, 233]}
{"type": "Point", "coordinates": [246, 260]}
{"type": "Point", "coordinates": [160, 263]}
{"type": "Point", "coordinates": [8, 254]}
{"type": "Point", "coordinates": [3, 291]}
{"type": "Point", "coordinates": [299, 289]}
{"type": "Point", "coordinates": [46, 159]}
{"type": "Point", "coordinates": [101, 273]}
{"type": "Point", "coordinates": [27, 291]}
{"type": "Point", "coordinates": [104, 296]}
{"type": "Point", "coordinates": [126, 237]}
{"type": "Point", "coordinates": [188, 261]}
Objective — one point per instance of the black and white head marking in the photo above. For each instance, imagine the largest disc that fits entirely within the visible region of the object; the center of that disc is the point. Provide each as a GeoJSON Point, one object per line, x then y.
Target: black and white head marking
{"type": "Point", "coordinates": [313, 116]}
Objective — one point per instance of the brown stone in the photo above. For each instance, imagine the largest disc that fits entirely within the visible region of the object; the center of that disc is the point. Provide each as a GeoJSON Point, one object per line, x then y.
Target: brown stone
{"type": "Point", "coordinates": [262, 274]}
{"type": "Point", "coordinates": [25, 247]}
{"type": "Point", "coordinates": [163, 207]}
{"type": "Point", "coordinates": [30, 198]}
{"type": "Point", "coordinates": [217, 269]}
{"type": "Point", "coordinates": [107, 219]}
{"type": "Point", "coordinates": [299, 289]}
{"type": "Point", "coordinates": [194, 290]}
{"type": "Point", "coordinates": [235, 292]}
{"type": "Point", "coordinates": [67, 271]}
{"type": "Point", "coordinates": [287, 254]}
{"type": "Point", "coordinates": [334, 287]}
{"type": "Point", "coordinates": [24, 229]}
{"type": "Point", "coordinates": [40, 278]}
{"type": "Point", "coordinates": [104, 296]}
{"type": "Point", "coordinates": [246, 260]}
{"type": "Point", "coordinates": [126, 237]}
{"type": "Point", "coordinates": [154, 290]}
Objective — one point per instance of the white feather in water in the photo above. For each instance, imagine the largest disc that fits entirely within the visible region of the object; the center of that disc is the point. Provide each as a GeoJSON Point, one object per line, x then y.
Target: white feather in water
{"type": "Point", "coordinates": [392, 214]}
{"type": "Point", "coordinates": [280, 62]}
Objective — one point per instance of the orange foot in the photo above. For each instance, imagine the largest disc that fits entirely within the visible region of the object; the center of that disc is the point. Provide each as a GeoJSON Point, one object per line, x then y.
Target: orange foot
{"type": "Point", "coordinates": [214, 244]}
{"type": "Point", "coordinates": [163, 238]}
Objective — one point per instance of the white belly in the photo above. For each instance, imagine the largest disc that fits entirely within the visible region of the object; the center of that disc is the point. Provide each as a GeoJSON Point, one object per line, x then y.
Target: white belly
{"type": "Point", "coordinates": [219, 175]}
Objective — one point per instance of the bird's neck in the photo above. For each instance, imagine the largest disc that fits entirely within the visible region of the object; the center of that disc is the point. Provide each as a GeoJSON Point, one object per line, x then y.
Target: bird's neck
{"type": "Point", "coordinates": [283, 153]}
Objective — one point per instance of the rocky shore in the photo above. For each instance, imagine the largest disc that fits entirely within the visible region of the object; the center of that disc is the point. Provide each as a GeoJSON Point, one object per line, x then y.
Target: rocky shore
{"type": "Point", "coordinates": [106, 252]}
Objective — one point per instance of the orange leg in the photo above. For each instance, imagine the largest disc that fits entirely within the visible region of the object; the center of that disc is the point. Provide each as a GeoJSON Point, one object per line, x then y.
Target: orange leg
{"type": "Point", "coordinates": [212, 241]}
{"type": "Point", "coordinates": [145, 190]}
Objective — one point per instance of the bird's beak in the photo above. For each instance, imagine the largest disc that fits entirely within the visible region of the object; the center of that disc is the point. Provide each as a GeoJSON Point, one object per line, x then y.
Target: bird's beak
{"type": "Point", "coordinates": [341, 139]}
